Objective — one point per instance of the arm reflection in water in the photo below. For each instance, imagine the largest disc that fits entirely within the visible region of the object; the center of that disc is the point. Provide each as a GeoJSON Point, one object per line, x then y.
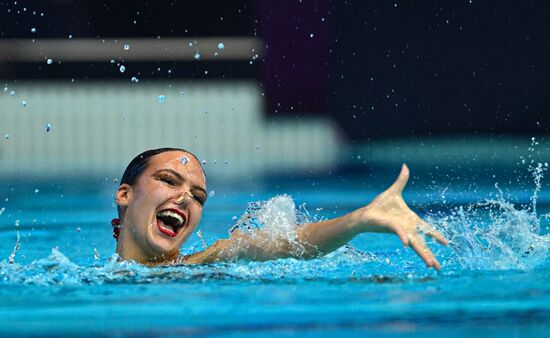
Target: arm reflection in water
{"type": "Point", "coordinates": [161, 197]}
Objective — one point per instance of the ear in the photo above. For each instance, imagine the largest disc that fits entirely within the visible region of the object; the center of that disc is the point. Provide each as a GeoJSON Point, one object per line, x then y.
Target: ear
{"type": "Point", "coordinates": [123, 195]}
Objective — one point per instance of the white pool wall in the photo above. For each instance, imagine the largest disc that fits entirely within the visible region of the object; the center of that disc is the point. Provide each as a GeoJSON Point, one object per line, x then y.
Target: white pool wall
{"type": "Point", "coordinates": [97, 127]}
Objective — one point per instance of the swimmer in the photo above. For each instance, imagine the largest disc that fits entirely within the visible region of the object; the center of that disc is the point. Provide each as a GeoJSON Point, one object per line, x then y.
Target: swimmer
{"type": "Point", "coordinates": [160, 203]}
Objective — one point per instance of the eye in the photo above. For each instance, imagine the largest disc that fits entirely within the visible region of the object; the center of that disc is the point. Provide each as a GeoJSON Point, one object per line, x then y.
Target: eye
{"type": "Point", "coordinates": [168, 180]}
{"type": "Point", "coordinates": [199, 199]}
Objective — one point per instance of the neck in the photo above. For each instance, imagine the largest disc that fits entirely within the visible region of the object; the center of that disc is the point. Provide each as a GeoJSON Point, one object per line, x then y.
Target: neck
{"type": "Point", "coordinates": [127, 249]}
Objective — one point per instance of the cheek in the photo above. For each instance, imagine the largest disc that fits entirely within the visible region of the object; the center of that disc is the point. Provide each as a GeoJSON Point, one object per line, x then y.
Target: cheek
{"type": "Point", "coordinates": [197, 215]}
{"type": "Point", "coordinates": [152, 194]}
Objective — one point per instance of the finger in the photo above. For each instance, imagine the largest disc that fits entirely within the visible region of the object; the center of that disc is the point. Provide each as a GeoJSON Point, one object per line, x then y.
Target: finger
{"type": "Point", "coordinates": [431, 232]}
{"type": "Point", "coordinates": [435, 262]}
{"type": "Point", "coordinates": [438, 237]}
{"type": "Point", "coordinates": [401, 180]}
{"type": "Point", "coordinates": [402, 236]}
{"type": "Point", "coordinates": [423, 252]}
{"type": "Point", "coordinates": [437, 266]}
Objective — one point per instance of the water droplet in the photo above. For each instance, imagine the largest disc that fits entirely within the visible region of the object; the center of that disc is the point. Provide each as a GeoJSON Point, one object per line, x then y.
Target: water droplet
{"type": "Point", "coordinates": [5, 89]}
{"type": "Point", "coordinates": [12, 93]}
{"type": "Point", "coordinates": [48, 127]}
{"type": "Point", "coordinates": [112, 61]}
{"type": "Point", "coordinates": [49, 61]}
{"type": "Point", "coordinates": [135, 79]}
{"type": "Point", "coordinates": [33, 30]}
{"type": "Point", "coordinates": [24, 103]}
{"type": "Point", "coordinates": [221, 46]}
{"type": "Point", "coordinates": [184, 160]}
{"type": "Point", "coordinates": [7, 136]}
{"type": "Point", "coordinates": [126, 47]}
{"type": "Point", "coordinates": [197, 56]}
{"type": "Point", "coordinates": [161, 98]}
{"type": "Point", "coordinates": [36, 191]}
{"type": "Point", "coordinates": [225, 162]}
{"type": "Point", "coordinates": [205, 111]}
{"type": "Point", "coordinates": [257, 147]}
{"type": "Point", "coordinates": [70, 36]}
{"type": "Point", "coordinates": [203, 162]}
{"type": "Point", "coordinates": [190, 44]}
{"type": "Point", "coordinates": [234, 218]}
{"type": "Point", "coordinates": [311, 35]}
{"type": "Point", "coordinates": [78, 230]}
{"type": "Point", "coordinates": [182, 92]}
{"type": "Point", "coordinates": [122, 68]}
{"type": "Point", "coordinates": [212, 193]}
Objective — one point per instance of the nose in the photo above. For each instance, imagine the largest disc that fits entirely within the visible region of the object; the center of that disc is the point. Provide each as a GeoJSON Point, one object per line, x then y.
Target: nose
{"type": "Point", "coordinates": [182, 197]}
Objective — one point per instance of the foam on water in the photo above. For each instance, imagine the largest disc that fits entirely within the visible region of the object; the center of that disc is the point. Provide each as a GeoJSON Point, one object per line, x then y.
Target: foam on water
{"type": "Point", "coordinates": [346, 263]}
{"type": "Point", "coordinates": [493, 234]}
{"type": "Point", "coordinates": [277, 218]}
{"type": "Point", "coordinates": [489, 235]}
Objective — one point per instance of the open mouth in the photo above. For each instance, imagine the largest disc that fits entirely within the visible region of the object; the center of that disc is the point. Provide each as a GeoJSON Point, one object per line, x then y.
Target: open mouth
{"type": "Point", "coordinates": [170, 221]}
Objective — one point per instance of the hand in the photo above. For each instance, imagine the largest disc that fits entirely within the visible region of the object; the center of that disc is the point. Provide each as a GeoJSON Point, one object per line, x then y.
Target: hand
{"type": "Point", "coordinates": [388, 212]}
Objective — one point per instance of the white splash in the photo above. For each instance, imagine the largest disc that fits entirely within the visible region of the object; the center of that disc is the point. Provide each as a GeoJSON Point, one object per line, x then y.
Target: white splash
{"type": "Point", "coordinates": [496, 234]}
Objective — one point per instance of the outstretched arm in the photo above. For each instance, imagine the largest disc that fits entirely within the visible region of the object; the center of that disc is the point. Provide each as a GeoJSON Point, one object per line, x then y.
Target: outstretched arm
{"type": "Point", "coordinates": [387, 213]}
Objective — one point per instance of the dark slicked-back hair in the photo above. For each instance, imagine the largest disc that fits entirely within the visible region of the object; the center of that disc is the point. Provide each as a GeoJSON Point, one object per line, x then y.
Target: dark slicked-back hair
{"type": "Point", "coordinates": [139, 163]}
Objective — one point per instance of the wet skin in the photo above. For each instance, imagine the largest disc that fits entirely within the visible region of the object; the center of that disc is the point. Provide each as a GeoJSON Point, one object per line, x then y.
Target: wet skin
{"type": "Point", "coordinates": [164, 206]}
{"type": "Point", "coordinates": [168, 184]}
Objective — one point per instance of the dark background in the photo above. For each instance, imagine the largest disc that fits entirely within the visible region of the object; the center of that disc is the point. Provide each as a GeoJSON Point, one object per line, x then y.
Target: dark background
{"type": "Point", "coordinates": [379, 68]}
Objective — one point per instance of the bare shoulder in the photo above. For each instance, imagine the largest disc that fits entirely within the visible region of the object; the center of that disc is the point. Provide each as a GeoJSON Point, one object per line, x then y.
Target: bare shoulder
{"type": "Point", "coordinates": [212, 254]}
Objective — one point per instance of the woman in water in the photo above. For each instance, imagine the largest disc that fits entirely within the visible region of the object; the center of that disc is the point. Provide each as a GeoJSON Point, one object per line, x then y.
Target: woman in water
{"type": "Point", "coordinates": [162, 194]}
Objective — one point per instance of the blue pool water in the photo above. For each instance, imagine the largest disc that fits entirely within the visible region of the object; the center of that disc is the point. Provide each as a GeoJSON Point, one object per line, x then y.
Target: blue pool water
{"type": "Point", "coordinates": [63, 279]}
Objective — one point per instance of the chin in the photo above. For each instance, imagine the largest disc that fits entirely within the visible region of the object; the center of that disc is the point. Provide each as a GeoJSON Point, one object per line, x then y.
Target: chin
{"type": "Point", "coordinates": [163, 247]}
{"type": "Point", "coordinates": [162, 250]}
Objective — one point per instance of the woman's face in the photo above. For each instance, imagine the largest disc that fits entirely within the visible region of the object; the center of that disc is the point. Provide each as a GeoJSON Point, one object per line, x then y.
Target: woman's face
{"type": "Point", "coordinates": [162, 209]}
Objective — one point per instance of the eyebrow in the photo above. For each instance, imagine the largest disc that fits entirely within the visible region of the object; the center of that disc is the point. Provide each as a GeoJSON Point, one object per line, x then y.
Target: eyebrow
{"type": "Point", "coordinates": [175, 173]}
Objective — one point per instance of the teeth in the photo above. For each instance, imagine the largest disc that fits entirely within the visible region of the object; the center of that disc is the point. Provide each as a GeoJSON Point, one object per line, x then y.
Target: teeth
{"type": "Point", "coordinates": [168, 213]}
